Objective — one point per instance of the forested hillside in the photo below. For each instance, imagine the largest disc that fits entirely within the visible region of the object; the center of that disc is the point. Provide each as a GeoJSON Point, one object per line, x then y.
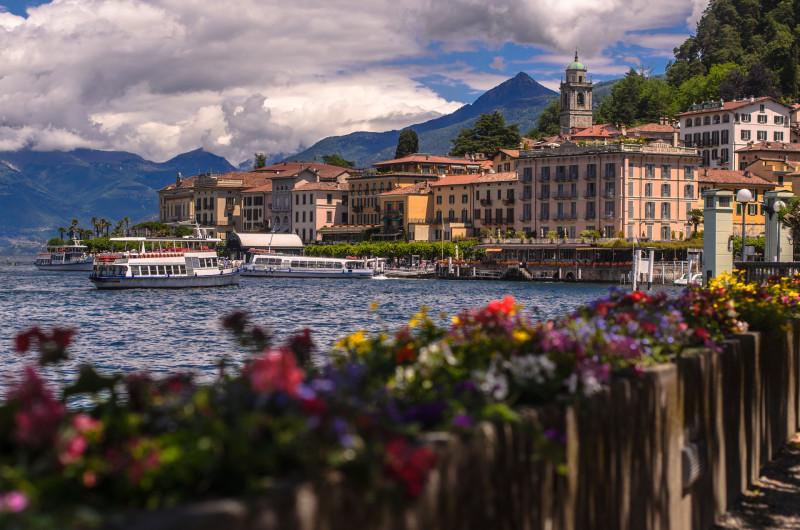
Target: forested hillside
{"type": "Point", "coordinates": [748, 33]}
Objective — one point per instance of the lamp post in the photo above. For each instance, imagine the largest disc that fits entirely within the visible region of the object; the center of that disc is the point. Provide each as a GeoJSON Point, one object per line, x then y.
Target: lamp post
{"type": "Point", "coordinates": [743, 196]}
{"type": "Point", "coordinates": [777, 206]}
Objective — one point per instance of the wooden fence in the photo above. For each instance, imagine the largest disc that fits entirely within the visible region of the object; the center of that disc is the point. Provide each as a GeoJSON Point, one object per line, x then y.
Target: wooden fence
{"type": "Point", "coordinates": [670, 450]}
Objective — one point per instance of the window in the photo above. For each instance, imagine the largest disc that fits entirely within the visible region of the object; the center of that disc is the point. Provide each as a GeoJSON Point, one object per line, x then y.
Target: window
{"type": "Point", "coordinates": [526, 211]}
{"type": "Point", "coordinates": [697, 121]}
{"type": "Point", "coordinates": [464, 215]}
{"type": "Point", "coordinates": [297, 199]}
{"type": "Point", "coordinates": [649, 210]}
{"type": "Point", "coordinates": [591, 171]}
{"type": "Point", "coordinates": [707, 120]}
{"type": "Point", "coordinates": [726, 118]}
{"type": "Point", "coordinates": [687, 139]}
{"type": "Point", "coordinates": [666, 171]}
{"type": "Point", "coordinates": [761, 136]}
{"type": "Point", "coordinates": [665, 210]}
{"type": "Point", "coordinates": [777, 136]}
{"type": "Point", "coordinates": [716, 119]}
{"type": "Point", "coordinates": [451, 214]}
{"type": "Point", "coordinates": [609, 209]}
{"type": "Point", "coordinates": [527, 174]}
{"type": "Point", "coordinates": [724, 136]}
{"type": "Point", "coordinates": [573, 172]}
{"type": "Point", "coordinates": [745, 118]}
{"type": "Point", "coordinates": [545, 173]}
{"type": "Point", "coordinates": [688, 191]}
{"type": "Point", "coordinates": [688, 123]}
{"type": "Point", "coordinates": [648, 190]}
{"type": "Point", "coordinates": [611, 169]}
{"type": "Point", "coordinates": [477, 214]}
{"type": "Point", "coordinates": [745, 135]}
{"type": "Point", "coordinates": [762, 118]}
{"type": "Point", "coordinates": [329, 198]}
{"type": "Point", "coordinates": [560, 173]}
{"type": "Point", "coordinates": [464, 198]}
{"type": "Point", "coordinates": [328, 217]}
{"type": "Point", "coordinates": [451, 199]}
{"type": "Point", "coordinates": [649, 171]}
{"type": "Point", "coordinates": [438, 199]}
{"type": "Point", "coordinates": [688, 172]}
{"type": "Point", "coordinates": [630, 208]}
{"type": "Point", "coordinates": [665, 190]}
{"type": "Point", "coordinates": [778, 120]}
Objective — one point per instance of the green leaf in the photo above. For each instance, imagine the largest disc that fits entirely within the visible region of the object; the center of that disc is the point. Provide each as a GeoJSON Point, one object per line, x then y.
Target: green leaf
{"type": "Point", "coordinates": [91, 382]}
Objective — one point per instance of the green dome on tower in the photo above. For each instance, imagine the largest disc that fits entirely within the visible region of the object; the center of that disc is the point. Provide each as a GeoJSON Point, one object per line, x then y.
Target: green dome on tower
{"type": "Point", "coordinates": [576, 65]}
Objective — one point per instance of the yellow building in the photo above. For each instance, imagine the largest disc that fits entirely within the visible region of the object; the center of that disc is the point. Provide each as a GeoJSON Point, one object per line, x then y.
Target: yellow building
{"type": "Point", "coordinates": [453, 206]}
{"type": "Point", "coordinates": [407, 209]}
{"type": "Point", "coordinates": [734, 181]}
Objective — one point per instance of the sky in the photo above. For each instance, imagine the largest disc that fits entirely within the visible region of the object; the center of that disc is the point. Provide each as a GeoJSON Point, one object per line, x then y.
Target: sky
{"type": "Point", "coordinates": [163, 77]}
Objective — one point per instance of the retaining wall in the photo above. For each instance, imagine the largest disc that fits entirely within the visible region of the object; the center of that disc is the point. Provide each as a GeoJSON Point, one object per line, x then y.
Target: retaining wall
{"type": "Point", "coordinates": [670, 450]}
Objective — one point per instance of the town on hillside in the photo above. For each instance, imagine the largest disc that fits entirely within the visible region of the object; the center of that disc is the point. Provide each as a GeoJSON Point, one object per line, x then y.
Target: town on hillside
{"type": "Point", "coordinates": [590, 178]}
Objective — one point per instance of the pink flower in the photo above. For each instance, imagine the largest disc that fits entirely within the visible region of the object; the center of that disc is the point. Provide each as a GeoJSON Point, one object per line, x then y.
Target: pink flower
{"type": "Point", "coordinates": [13, 502]}
{"type": "Point", "coordinates": [38, 415]}
{"type": "Point", "coordinates": [275, 371]}
{"type": "Point", "coordinates": [72, 449]}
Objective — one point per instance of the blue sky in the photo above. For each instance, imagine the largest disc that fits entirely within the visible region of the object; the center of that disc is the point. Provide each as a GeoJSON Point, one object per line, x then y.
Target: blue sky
{"type": "Point", "coordinates": [162, 77]}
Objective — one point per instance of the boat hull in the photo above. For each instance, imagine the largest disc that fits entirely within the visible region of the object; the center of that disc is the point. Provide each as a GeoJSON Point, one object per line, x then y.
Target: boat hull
{"type": "Point", "coordinates": [80, 266]}
{"type": "Point", "coordinates": [289, 273]}
{"type": "Point", "coordinates": [164, 282]}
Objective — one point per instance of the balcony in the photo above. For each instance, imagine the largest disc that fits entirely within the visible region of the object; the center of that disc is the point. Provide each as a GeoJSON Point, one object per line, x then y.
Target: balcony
{"type": "Point", "coordinates": [544, 178]}
{"type": "Point", "coordinates": [566, 195]}
{"type": "Point", "coordinates": [543, 195]}
{"type": "Point", "coordinates": [358, 209]}
{"type": "Point", "coordinates": [544, 217]}
{"type": "Point", "coordinates": [590, 215]}
{"type": "Point", "coordinates": [590, 176]}
{"type": "Point", "coordinates": [609, 175]}
{"type": "Point", "coordinates": [486, 202]}
{"type": "Point", "coordinates": [590, 193]}
{"type": "Point", "coordinates": [526, 196]}
{"type": "Point", "coordinates": [508, 200]}
{"type": "Point", "coordinates": [609, 193]}
{"type": "Point", "coordinates": [608, 215]}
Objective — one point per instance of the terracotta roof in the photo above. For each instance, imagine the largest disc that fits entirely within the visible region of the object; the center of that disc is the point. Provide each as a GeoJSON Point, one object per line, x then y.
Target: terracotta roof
{"type": "Point", "coordinates": [188, 182]}
{"type": "Point", "coordinates": [429, 159]}
{"type": "Point", "coordinates": [428, 176]}
{"type": "Point", "coordinates": [513, 153]}
{"type": "Point", "coordinates": [653, 127]}
{"type": "Point", "coordinates": [456, 180]}
{"type": "Point", "coordinates": [260, 189]}
{"type": "Point", "coordinates": [322, 186]}
{"type": "Point", "coordinates": [769, 146]}
{"type": "Point", "coordinates": [728, 105]}
{"type": "Point", "coordinates": [420, 188]}
{"type": "Point", "coordinates": [731, 177]}
{"type": "Point", "coordinates": [299, 166]}
{"type": "Point", "coordinates": [497, 177]}
{"type": "Point", "coordinates": [604, 130]}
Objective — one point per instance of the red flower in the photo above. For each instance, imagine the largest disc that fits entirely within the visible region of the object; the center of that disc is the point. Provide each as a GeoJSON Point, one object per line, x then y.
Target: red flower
{"type": "Point", "coordinates": [406, 353]}
{"type": "Point", "coordinates": [276, 371]}
{"type": "Point", "coordinates": [408, 466]}
{"type": "Point", "coordinates": [38, 416]}
{"type": "Point", "coordinates": [703, 334]}
{"type": "Point", "coordinates": [649, 328]}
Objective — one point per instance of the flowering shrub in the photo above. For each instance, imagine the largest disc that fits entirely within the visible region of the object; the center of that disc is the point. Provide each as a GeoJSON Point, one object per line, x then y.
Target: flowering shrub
{"type": "Point", "coordinates": [147, 443]}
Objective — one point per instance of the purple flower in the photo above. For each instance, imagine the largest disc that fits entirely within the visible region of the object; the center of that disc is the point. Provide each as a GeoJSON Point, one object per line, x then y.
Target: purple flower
{"type": "Point", "coordinates": [462, 420]}
{"type": "Point", "coordinates": [13, 502]}
{"type": "Point", "coordinates": [555, 436]}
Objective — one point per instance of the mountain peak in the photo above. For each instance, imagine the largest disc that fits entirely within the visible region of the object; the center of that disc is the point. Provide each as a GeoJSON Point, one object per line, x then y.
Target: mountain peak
{"type": "Point", "coordinates": [521, 86]}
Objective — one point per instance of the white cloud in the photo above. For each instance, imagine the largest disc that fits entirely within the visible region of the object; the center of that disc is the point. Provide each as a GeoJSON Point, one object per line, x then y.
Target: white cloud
{"type": "Point", "coordinates": [159, 77]}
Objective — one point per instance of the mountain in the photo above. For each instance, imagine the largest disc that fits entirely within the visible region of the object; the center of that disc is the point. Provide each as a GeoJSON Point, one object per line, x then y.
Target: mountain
{"type": "Point", "coordinates": [40, 191]}
{"type": "Point", "coordinates": [520, 100]}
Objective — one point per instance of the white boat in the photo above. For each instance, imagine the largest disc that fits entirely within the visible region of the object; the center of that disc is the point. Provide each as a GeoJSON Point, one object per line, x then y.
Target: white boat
{"type": "Point", "coordinates": [692, 275]}
{"type": "Point", "coordinates": [264, 263]}
{"type": "Point", "coordinates": [176, 264]}
{"type": "Point", "coordinates": [69, 257]}
{"type": "Point", "coordinates": [684, 279]}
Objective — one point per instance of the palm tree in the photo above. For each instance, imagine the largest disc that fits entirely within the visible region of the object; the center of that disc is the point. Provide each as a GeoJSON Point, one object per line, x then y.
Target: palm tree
{"type": "Point", "coordinates": [118, 228]}
{"type": "Point", "coordinates": [695, 218]}
{"type": "Point", "coordinates": [127, 220]}
{"type": "Point", "coordinates": [62, 231]}
{"type": "Point", "coordinates": [73, 226]}
{"type": "Point", "coordinates": [94, 225]}
{"type": "Point", "coordinates": [104, 225]}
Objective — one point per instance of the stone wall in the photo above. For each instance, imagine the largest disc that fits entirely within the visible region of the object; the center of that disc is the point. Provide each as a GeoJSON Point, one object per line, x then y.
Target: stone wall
{"type": "Point", "coordinates": [670, 450]}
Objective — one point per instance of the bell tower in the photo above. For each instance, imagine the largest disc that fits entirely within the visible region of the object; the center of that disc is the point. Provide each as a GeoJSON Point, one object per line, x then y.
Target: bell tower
{"type": "Point", "coordinates": [576, 98]}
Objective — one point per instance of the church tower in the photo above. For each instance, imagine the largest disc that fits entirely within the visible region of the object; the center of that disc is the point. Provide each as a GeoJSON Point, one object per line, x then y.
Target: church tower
{"type": "Point", "coordinates": [576, 98]}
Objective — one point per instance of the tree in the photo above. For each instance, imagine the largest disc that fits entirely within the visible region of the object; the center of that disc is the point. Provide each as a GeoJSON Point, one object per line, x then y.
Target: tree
{"type": "Point", "coordinates": [759, 81]}
{"type": "Point", "coordinates": [62, 231]}
{"type": "Point", "coordinates": [549, 122]}
{"type": "Point", "coordinates": [94, 225]}
{"type": "Point", "coordinates": [260, 161]}
{"type": "Point", "coordinates": [336, 160]}
{"type": "Point", "coordinates": [695, 218]}
{"type": "Point", "coordinates": [407, 144]}
{"type": "Point", "coordinates": [489, 134]}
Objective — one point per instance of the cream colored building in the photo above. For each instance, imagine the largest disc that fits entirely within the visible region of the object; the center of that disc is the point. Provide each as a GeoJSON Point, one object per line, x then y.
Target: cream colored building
{"type": "Point", "coordinates": [407, 211]}
{"type": "Point", "coordinates": [317, 205]}
{"type": "Point", "coordinates": [646, 190]}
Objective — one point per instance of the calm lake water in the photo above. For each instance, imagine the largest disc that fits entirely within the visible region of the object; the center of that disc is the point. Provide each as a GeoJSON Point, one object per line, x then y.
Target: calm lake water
{"type": "Point", "coordinates": [166, 330]}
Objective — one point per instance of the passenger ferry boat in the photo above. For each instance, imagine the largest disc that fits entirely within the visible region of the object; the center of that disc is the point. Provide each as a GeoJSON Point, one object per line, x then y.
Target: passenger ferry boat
{"type": "Point", "coordinates": [265, 263]}
{"type": "Point", "coordinates": [178, 263]}
{"type": "Point", "coordinates": [70, 257]}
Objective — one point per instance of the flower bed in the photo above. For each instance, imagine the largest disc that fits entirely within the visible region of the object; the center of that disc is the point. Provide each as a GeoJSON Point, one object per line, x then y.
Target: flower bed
{"type": "Point", "coordinates": [359, 423]}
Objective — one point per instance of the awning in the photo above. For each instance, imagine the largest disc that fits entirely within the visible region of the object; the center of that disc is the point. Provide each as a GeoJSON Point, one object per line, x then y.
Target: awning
{"type": "Point", "coordinates": [494, 250]}
{"type": "Point", "coordinates": [385, 218]}
{"type": "Point", "coordinates": [398, 218]}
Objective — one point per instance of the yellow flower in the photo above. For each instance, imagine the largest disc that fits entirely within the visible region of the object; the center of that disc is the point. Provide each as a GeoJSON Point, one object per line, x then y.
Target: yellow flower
{"type": "Point", "coordinates": [520, 335]}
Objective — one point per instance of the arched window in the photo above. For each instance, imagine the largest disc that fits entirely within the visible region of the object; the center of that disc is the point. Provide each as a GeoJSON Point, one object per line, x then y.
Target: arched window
{"type": "Point", "coordinates": [581, 99]}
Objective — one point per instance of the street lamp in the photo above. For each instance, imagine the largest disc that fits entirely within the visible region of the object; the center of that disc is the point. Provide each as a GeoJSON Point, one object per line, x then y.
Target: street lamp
{"type": "Point", "coordinates": [743, 196]}
{"type": "Point", "coordinates": [777, 206]}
